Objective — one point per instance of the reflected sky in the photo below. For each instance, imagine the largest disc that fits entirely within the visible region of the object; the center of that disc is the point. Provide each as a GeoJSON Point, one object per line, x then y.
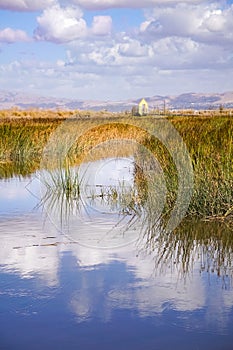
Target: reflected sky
{"type": "Point", "coordinates": [15, 195]}
{"type": "Point", "coordinates": [59, 293]}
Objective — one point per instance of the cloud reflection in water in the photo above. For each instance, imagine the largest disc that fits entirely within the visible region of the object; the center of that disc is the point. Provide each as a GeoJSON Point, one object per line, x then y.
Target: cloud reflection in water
{"type": "Point", "coordinates": [119, 277]}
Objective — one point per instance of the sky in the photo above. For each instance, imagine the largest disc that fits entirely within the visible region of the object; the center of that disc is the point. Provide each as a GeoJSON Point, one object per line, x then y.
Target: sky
{"type": "Point", "coordinates": [116, 49]}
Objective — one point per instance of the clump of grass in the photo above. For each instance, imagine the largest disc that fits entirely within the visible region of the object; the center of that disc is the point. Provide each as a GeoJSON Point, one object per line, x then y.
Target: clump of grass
{"type": "Point", "coordinates": [209, 142]}
{"type": "Point", "coordinates": [208, 139]}
{"type": "Point", "coordinates": [63, 181]}
{"type": "Point", "coordinates": [210, 145]}
{"type": "Point", "coordinates": [61, 192]}
{"type": "Point", "coordinates": [21, 145]}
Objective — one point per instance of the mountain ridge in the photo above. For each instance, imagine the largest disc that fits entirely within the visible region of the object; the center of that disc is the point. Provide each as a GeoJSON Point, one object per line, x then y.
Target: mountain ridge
{"type": "Point", "coordinates": [195, 101]}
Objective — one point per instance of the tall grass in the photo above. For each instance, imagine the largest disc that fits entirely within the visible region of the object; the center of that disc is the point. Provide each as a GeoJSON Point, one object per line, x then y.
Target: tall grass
{"type": "Point", "coordinates": [208, 139]}
{"type": "Point", "coordinates": [207, 243]}
{"type": "Point", "coordinates": [21, 145]}
{"type": "Point", "coordinates": [210, 144]}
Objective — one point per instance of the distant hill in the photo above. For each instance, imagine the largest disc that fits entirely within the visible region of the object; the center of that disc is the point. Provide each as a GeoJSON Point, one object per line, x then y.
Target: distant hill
{"type": "Point", "coordinates": [194, 101]}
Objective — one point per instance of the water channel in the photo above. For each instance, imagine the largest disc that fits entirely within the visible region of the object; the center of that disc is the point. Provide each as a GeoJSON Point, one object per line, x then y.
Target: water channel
{"type": "Point", "coordinates": [85, 275]}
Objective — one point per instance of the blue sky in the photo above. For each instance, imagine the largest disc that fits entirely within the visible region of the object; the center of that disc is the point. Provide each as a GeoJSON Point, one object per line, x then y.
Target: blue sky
{"type": "Point", "coordinates": [115, 49]}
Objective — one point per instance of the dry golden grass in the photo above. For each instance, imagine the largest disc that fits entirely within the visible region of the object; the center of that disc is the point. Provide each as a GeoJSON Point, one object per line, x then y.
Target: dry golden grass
{"type": "Point", "coordinates": [37, 114]}
{"type": "Point", "coordinates": [208, 138]}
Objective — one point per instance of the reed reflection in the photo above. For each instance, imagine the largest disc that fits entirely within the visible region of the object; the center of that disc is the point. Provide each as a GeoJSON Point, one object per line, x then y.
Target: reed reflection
{"type": "Point", "coordinates": [151, 272]}
{"type": "Point", "coordinates": [103, 215]}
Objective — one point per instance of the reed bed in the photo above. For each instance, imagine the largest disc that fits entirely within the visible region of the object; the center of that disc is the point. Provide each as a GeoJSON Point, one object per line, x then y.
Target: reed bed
{"type": "Point", "coordinates": [209, 142]}
{"type": "Point", "coordinates": [208, 139]}
{"type": "Point", "coordinates": [210, 145]}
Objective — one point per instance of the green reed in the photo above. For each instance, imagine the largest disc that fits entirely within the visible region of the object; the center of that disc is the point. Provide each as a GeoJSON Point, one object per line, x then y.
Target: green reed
{"type": "Point", "coordinates": [21, 145]}
{"type": "Point", "coordinates": [63, 181]}
{"type": "Point", "coordinates": [210, 144]}
{"type": "Point", "coordinates": [208, 139]}
{"type": "Point", "coordinates": [206, 243]}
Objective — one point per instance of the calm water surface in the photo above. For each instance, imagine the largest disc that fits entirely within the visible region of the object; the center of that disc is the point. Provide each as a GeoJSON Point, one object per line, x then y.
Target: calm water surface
{"type": "Point", "coordinates": [81, 282]}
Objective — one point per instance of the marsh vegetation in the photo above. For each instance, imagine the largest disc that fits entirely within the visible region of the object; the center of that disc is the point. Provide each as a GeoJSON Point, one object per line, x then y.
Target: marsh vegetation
{"type": "Point", "coordinates": [85, 208]}
{"type": "Point", "coordinates": [208, 140]}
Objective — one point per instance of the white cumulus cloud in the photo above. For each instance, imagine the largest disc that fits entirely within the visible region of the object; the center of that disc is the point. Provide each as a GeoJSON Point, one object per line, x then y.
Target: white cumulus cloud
{"type": "Point", "coordinates": [9, 35]}
{"type": "Point", "coordinates": [178, 45]}
{"type": "Point", "coordinates": [203, 23]}
{"type": "Point", "coordinates": [60, 25]}
{"type": "Point", "coordinates": [106, 4]}
{"type": "Point", "coordinates": [133, 48]}
{"type": "Point", "coordinates": [25, 5]}
{"type": "Point", "coordinates": [101, 25]}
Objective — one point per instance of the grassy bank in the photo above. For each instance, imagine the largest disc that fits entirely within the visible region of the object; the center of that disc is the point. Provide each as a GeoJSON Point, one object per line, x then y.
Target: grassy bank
{"type": "Point", "coordinates": [208, 139]}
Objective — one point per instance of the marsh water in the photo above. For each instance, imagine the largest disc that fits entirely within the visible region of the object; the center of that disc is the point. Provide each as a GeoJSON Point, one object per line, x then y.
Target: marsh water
{"type": "Point", "coordinates": [85, 274]}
